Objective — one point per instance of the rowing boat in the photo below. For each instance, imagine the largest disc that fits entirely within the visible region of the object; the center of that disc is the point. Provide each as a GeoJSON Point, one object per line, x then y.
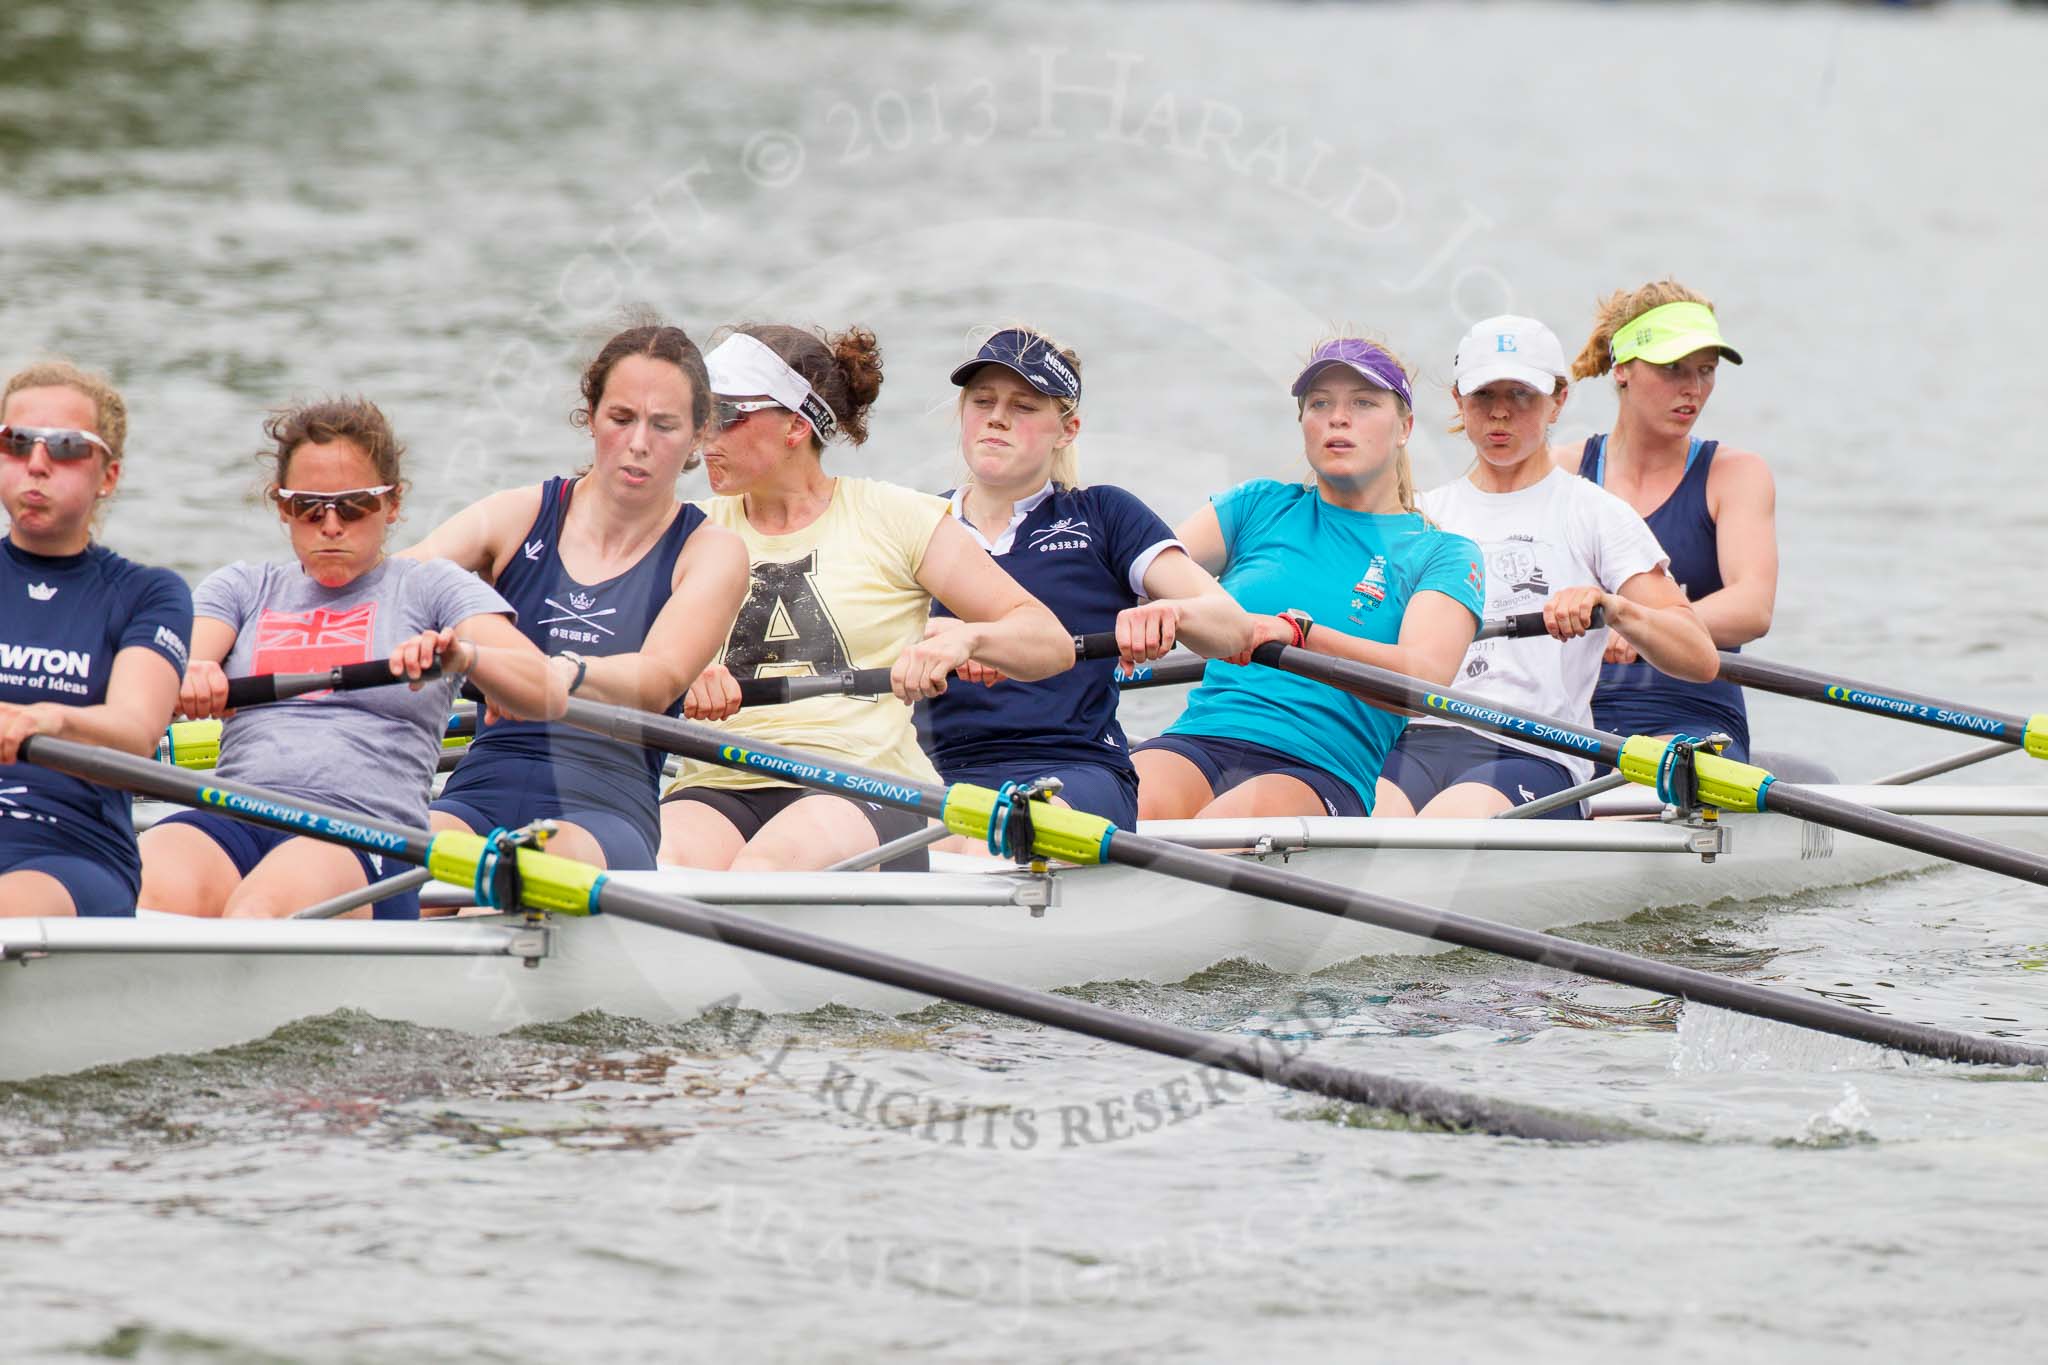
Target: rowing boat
{"type": "Point", "coordinates": [107, 990]}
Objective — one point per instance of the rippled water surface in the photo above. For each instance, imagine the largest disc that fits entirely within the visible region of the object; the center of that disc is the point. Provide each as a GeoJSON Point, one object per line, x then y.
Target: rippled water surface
{"type": "Point", "coordinates": [229, 203]}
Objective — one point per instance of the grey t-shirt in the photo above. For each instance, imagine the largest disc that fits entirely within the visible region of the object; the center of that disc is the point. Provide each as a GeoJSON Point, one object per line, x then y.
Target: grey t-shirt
{"type": "Point", "coordinates": [371, 751]}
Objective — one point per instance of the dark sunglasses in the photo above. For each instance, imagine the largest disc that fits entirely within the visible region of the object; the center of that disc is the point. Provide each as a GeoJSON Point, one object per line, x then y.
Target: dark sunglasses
{"type": "Point", "coordinates": [732, 414]}
{"type": "Point", "coordinates": [63, 443]}
{"type": "Point", "coordinates": [350, 504]}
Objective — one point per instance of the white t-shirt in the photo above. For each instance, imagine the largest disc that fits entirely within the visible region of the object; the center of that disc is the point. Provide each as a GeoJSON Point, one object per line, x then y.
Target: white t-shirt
{"type": "Point", "coordinates": [1561, 532]}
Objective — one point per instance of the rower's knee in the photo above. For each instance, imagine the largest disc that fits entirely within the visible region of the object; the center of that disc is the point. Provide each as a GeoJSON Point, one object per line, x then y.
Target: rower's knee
{"type": "Point", "coordinates": [1466, 801]}
{"type": "Point", "coordinates": [695, 835]}
{"type": "Point", "coordinates": [1389, 802]}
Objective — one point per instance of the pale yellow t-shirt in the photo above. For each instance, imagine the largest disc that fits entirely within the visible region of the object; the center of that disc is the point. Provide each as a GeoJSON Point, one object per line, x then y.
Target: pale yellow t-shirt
{"type": "Point", "coordinates": [840, 594]}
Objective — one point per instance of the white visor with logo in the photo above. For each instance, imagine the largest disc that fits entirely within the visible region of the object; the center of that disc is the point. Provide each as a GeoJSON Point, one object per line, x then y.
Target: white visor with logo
{"type": "Point", "coordinates": [743, 367]}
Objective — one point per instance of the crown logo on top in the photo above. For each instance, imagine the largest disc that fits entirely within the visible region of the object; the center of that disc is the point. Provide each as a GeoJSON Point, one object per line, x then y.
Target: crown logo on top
{"type": "Point", "coordinates": [41, 592]}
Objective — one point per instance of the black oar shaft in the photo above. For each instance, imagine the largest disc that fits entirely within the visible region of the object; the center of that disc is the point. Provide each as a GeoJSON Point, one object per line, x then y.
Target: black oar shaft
{"type": "Point", "coordinates": [714, 746]}
{"type": "Point", "coordinates": [1872, 699]}
{"type": "Point", "coordinates": [1168, 672]}
{"type": "Point", "coordinates": [1265, 1060]}
{"type": "Point", "coordinates": [261, 688]}
{"type": "Point", "coordinates": [1547, 950]}
{"type": "Point", "coordinates": [146, 777]}
{"type": "Point", "coordinates": [1381, 687]}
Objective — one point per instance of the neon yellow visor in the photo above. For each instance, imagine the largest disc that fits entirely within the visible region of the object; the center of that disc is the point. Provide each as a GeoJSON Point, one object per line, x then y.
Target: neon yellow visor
{"type": "Point", "coordinates": [1670, 332]}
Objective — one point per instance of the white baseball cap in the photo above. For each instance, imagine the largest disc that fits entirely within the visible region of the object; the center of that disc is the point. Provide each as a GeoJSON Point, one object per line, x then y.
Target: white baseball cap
{"type": "Point", "coordinates": [1509, 347]}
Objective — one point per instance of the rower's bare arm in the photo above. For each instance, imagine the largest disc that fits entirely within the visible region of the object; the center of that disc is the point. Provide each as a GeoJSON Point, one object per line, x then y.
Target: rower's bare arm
{"type": "Point", "coordinates": [1651, 613]}
{"type": "Point", "coordinates": [999, 623]}
{"type": "Point", "coordinates": [142, 690]}
{"type": "Point", "coordinates": [688, 634]}
{"type": "Point", "coordinates": [1207, 619]}
{"type": "Point", "coordinates": [1745, 507]}
{"type": "Point", "coordinates": [203, 692]}
{"type": "Point", "coordinates": [1202, 533]}
{"type": "Point", "coordinates": [514, 675]}
{"type": "Point", "coordinates": [1436, 630]}
{"type": "Point", "coordinates": [483, 536]}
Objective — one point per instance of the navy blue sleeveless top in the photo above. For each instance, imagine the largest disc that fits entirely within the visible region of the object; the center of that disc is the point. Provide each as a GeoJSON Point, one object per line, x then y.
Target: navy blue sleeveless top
{"type": "Point", "coordinates": [1635, 699]}
{"type": "Point", "coordinates": [558, 613]}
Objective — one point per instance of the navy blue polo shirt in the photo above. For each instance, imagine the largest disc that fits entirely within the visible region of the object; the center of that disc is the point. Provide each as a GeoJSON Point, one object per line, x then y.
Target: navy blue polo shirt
{"type": "Point", "coordinates": [1083, 552]}
{"type": "Point", "coordinates": [63, 618]}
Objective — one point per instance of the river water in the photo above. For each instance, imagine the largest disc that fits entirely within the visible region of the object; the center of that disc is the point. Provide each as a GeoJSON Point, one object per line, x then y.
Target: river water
{"type": "Point", "coordinates": [229, 203]}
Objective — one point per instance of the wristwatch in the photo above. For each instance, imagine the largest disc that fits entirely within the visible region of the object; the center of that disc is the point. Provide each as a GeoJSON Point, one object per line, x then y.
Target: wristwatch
{"type": "Point", "coordinates": [1302, 622]}
{"type": "Point", "coordinates": [582, 667]}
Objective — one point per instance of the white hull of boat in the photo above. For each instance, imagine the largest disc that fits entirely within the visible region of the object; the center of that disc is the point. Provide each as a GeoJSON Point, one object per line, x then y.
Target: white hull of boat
{"type": "Point", "coordinates": [80, 993]}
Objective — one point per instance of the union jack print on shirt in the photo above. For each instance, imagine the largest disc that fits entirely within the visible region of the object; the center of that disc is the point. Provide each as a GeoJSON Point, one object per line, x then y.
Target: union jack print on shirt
{"type": "Point", "coordinates": [311, 641]}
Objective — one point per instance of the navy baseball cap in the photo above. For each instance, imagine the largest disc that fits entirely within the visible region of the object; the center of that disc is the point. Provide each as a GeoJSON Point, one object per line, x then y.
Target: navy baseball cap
{"type": "Point", "coordinates": [1030, 357]}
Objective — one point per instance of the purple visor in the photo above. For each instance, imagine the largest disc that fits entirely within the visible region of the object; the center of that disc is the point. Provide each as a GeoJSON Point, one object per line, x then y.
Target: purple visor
{"type": "Point", "coordinates": [1370, 363]}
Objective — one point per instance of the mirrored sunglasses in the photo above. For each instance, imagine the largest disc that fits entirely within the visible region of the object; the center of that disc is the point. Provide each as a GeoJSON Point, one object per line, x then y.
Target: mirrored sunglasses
{"type": "Point", "coordinates": [731, 414]}
{"type": "Point", "coordinates": [350, 504]}
{"type": "Point", "coordinates": [63, 443]}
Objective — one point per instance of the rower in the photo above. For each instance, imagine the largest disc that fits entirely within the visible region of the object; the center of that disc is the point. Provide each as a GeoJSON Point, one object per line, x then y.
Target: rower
{"type": "Point", "coordinates": [97, 641]}
{"type": "Point", "coordinates": [337, 485]}
{"type": "Point", "coordinates": [844, 574]}
{"type": "Point", "coordinates": [1345, 561]}
{"type": "Point", "coordinates": [1713, 508]}
{"type": "Point", "coordinates": [1097, 556]}
{"type": "Point", "coordinates": [619, 583]}
{"type": "Point", "coordinates": [1554, 543]}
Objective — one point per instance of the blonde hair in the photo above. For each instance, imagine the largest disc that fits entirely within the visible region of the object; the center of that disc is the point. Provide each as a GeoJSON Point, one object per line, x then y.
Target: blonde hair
{"type": "Point", "coordinates": [1614, 311]}
{"type": "Point", "coordinates": [1066, 461]}
{"type": "Point", "coordinates": [1404, 468]}
{"type": "Point", "coordinates": [110, 413]}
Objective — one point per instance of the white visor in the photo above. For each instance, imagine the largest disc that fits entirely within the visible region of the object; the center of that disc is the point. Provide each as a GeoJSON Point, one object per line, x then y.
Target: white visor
{"type": "Point", "coordinates": [742, 367]}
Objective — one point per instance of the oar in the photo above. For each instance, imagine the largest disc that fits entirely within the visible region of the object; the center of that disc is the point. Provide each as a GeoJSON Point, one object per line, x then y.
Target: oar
{"type": "Point", "coordinates": [260, 688]}
{"type": "Point", "coordinates": [1174, 669]}
{"type": "Point", "coordinates": [2020, 732]}
{"type": "Point", "coordinates": [1077, 837]}
{"type": "Point", "coordinates": [546, 882]}
{"type": "Point", "coordinates": [1722, 782]}
{"type": "Point", "coordinates": [196, 743]}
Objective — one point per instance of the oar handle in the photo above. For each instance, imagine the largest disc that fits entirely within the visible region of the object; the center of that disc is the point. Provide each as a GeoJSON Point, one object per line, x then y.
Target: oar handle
{"type": "Point", "coordinates": [261, 688]}
{"type": "Point", "coordinates": [869, 682]}
{"type": "Point", "coordinates": [1526, 624]}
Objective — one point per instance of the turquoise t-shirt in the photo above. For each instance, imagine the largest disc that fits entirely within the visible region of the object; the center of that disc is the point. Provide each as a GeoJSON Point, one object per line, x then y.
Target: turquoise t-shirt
{"type": "Point", "coordinates": [1352, 571]}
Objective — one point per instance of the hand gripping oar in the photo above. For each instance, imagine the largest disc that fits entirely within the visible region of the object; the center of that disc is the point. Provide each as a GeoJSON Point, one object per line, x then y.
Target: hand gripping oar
{"type": "Point", "coordinates": [1176, 668]}
{"type": "Point", "coordinates": [260, 688]}
{"type": "Point", "coordinates": [1719, 782]}
{"type": "Point", "coordinates": [2021, 732]}
{"type": "Point", "coordinates": [506, 876]}
{"type": "Point", "coordinates": [196, 743]}
{"type": "Point", "coordinates": [1049, 831]}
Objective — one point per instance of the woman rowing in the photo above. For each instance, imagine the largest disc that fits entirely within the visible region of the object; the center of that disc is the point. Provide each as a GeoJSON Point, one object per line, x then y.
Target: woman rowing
{"type": "Point", "coordinates": [845, 571]}
{"type": "Point", "coordinates": [91, 646]}
{"type": "Point", "coordinates": [1555, 543]}
{"type": "Point", "coordinates": [620, 583]}
{"type": "Point", "coordinates": [1098, 557]}
{"type": "Point", "coordinates": [335, 480]}
{"type": "Point", "coordinates": [1713, 508]}
{"type": "Point", "coordinates": [1345, 547]}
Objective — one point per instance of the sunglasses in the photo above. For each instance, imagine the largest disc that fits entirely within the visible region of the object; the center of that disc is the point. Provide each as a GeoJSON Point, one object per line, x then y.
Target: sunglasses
{"type": "Point", "coordinates": [732, 414]}
{"type": "Point", "coordinates": [63, 443]}
{"type": "Point", "coordinates": [350, 504]}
